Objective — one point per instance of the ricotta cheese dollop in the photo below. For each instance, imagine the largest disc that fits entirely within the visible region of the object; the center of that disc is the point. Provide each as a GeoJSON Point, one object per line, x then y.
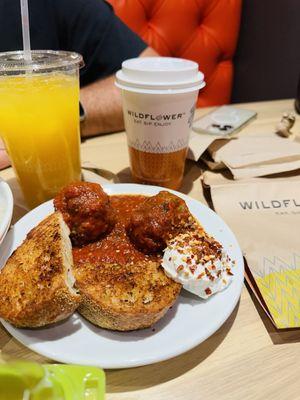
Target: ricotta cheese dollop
{"type": "Point", "coordinates": [198, 262]}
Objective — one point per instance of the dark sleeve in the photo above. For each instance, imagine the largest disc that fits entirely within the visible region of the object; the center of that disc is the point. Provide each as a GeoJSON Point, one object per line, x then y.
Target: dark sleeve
{"type": "Point", "coordinates": [91, 28]}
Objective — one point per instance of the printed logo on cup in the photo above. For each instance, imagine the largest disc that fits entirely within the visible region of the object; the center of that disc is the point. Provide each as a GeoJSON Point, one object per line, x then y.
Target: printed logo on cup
{"type": "Point", "coordinates": [154, 118]}
{"type": "Point", "coordinates": [154, 131]}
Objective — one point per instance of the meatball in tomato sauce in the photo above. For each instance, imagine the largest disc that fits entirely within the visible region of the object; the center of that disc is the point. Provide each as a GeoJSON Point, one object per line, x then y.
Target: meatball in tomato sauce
{"type": "Point", "coordinates": [86, 210]}
{"type": "Point", "coordinates": [158, 219]}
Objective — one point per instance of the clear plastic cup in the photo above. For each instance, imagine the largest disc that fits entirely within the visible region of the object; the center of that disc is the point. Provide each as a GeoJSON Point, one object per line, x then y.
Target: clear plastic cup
{"type": "Point", "coordinates": [39, 120]}
{"type": "Point", "coordinates": [159, 96]}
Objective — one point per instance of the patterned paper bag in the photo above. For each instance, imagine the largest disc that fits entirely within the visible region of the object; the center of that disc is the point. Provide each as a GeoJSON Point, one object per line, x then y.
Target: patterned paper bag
{"type": "Point", "coordinates": [265, 216]}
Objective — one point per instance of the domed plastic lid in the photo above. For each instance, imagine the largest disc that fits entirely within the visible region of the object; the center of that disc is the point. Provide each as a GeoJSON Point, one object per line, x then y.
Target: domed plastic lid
{"type": "Point", "coordinates": [159, 73]}
{"type": "Point", "coordinates": [14, 62]}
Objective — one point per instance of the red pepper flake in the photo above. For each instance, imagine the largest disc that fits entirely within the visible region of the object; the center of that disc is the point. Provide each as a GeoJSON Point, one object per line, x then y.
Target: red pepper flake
{"type": "Point", "coordinates": [180, 268]}
{"type": "Point", "coordinates": [207, 291]}
{"type": "Point", "coordinates": [213, 267]}
{"type": "Point", "coordinates": [201, 275]}
{"type": "Point", "coordinates": [192, 269]}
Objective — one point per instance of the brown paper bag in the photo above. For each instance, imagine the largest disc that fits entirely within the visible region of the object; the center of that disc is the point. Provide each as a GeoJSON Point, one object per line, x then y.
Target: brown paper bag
{"type": "Point", "coordinates": [265, 216]}
{"type": "Point", "coordinates": [199, 142]}
{"type": "Point", "coordinates": [252, 156]}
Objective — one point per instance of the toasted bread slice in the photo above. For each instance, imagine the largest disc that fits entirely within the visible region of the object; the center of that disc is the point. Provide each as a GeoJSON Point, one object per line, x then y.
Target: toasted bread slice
{"type": "Point", "coordinates": [36, 284]}
{"type": "Point", "coordinates": [124, 298]}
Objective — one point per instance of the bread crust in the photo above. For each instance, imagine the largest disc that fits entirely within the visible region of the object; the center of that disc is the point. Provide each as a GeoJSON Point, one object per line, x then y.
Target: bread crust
{"type": "Point", "coordinates": [34, 288]}
{"type": "Point", "coordinates": [124, 298]}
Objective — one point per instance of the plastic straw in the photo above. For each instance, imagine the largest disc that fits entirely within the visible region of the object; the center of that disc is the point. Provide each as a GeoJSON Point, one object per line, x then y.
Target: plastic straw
{"type": "Point", "coordinates": [25, 30]}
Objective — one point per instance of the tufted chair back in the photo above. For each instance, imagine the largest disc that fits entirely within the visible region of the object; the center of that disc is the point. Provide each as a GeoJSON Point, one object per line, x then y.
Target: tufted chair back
{"type": "Point", "coordinates": [205, 31]}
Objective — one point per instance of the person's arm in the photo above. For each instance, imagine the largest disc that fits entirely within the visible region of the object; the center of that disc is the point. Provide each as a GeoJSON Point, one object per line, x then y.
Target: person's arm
{"type": "Point", "coordinates": [102, 104]}
{"type": "Point", "coordinates": [91, 28]}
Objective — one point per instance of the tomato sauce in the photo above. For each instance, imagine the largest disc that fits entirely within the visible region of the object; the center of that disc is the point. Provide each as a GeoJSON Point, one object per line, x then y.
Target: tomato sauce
{"type": "Point", "coordinates": [116, 246]}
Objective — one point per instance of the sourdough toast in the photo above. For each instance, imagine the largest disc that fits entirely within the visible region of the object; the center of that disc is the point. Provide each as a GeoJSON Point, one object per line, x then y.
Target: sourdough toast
{"type": "Point", "coordinates": [36, 284]}
{"type": "Point", "coordinates": [124, 298]}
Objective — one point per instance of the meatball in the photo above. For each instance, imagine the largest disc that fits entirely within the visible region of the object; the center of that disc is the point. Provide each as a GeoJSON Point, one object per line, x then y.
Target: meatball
{"type": "Point", "coordinates": [158, 219]}
{"type": "Point", "coordinates": [86, 210]}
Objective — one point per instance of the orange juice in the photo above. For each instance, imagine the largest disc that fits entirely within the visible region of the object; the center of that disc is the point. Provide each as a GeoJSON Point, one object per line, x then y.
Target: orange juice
{"type": "Point", "coordinates": [39, 122]}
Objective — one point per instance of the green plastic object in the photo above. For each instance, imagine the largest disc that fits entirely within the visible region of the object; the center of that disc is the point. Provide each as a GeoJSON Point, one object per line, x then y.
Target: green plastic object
{"type": "Point", "coordinates": [22, 380]}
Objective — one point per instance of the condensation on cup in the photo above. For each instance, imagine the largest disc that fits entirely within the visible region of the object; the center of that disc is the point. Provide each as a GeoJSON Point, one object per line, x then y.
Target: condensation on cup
{"type": "Point", "coordinates": [159, 96]}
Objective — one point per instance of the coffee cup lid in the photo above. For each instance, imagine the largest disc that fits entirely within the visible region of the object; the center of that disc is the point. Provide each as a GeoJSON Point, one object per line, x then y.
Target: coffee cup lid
{"type": "Point", "coordinates": [159, 74]}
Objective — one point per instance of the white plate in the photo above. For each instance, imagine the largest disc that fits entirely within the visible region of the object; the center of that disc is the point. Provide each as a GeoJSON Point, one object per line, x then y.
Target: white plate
{"type": "Point", "coordinates": [6, 208]}
{"type": "Point", "coordinates": [187, 324]}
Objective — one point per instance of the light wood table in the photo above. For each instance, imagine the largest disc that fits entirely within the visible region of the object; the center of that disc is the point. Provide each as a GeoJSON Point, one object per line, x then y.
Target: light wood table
{"type": "Point", "coordinates": [245, 359]}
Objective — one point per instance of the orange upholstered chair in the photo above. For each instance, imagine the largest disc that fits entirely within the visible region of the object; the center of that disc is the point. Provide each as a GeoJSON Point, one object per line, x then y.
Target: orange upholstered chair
{"type": "Point", "coordinates": [205, 31]}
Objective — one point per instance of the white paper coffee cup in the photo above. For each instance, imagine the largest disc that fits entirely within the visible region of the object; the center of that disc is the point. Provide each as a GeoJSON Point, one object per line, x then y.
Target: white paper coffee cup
{"type": "Point", "coordinates": [159, 96]}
